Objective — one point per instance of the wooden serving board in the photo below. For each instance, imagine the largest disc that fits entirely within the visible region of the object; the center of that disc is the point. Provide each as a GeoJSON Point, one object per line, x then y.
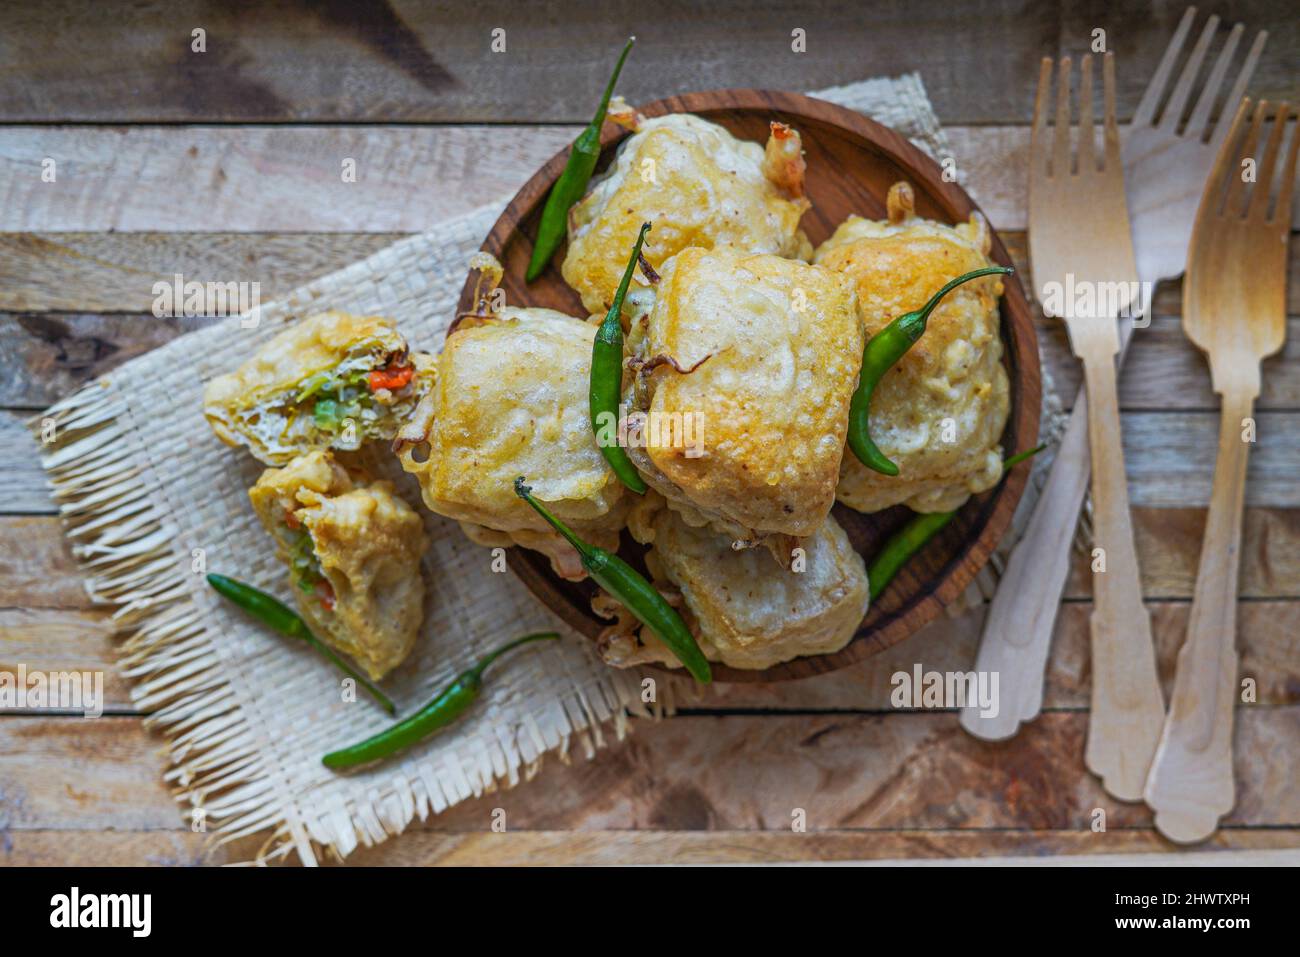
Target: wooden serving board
{"type": "Point", "coordinates": [852, 162]}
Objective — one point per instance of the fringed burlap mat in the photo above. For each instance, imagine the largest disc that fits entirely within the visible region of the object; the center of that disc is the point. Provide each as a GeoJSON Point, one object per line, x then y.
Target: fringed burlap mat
{"type": "Point", "coordinates": [151, 500]}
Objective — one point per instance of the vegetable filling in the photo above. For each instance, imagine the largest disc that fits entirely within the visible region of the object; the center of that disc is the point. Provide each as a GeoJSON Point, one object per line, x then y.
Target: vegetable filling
{"type": "Point", "coordinates": [360, 398]}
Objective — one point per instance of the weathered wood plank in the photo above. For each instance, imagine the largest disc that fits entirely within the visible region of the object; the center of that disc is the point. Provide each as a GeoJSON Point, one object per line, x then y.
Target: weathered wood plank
{"type": "Point", "coordinates": [21, 476]}
{"type": "Point", "coordinates": [413, 62]}
{"type": "Point", "coordinates": [1169, 546]}
{"type": "Point", "coordinates": [405, 61]}
{"type": "Point", "coordinates": [1230, 846]}
{"type": "Point", "coordinates": [53, 640]}
{"type": "Point", "coordinates": [262, 179]}
{"type": "Point", "coordinates": [57, 640]}
{"type": "Point", "coordinates": [115, 272]}
{"type": "Point", "coordinates": [1266, 635]}
{"type": "Point", "coordinates": [1165, 371]}
{"type": "Point", "coordinates": [700, 773]}
{"type": "Point", "coordinates": [1169, 457]}
{"type": "Point", "coordinates": [290, 179]}
{"type": "Point", "coordinates": [82, 773]}
{"type": "Point", "coordinates": [153, 848]}
{"type": "Point", "coordinates": [37, 570]}
{"type": "Point", "coordinates": [769, 847]}
{"type": "Point", "coordinates": [44, 357]}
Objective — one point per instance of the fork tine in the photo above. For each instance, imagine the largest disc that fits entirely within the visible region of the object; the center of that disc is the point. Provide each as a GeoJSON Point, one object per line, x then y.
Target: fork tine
{"type": "Point", "coordinates": [1111, 159]}
{"type": "Point", "coordinates": [1146, 109]}
{"type": "Point", "coordinates": [1173, 111]}
{"type": "Point", "coordinates": [1225, 164]}
{"type": "Point", "coordinates": [1087, 160]}
{"type": "Point", "coordinates": [1258, 208]}
{"type": "Point", "coordinates": [1037, 150]}
{"type": "Point", "coordinates": [1239, 87]}
{"type": "Point", "coordinates": [1061, 140]}
{"type": "Point", "coordinates": [1235, 204]}
{"type": "Point", "coordinates": [1200, 119]}
{"type": "Point", "coordinates": [1282, 211]}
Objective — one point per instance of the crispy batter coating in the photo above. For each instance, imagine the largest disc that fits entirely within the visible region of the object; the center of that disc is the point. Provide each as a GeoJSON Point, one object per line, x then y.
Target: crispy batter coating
{"type": "Point", "coordinates": [777, 347]}
{"type": "Point", "coordinates": [745, 610]}
{"type": "Point", "coordinates": [939, 413]}
{"type": "Point", "coordinates": [363, 540]}
{"type": "Point", "coordinates": [257, 405]}
{"type": "Point", "coordinates": [699, 186]}
{"type": "Point", "coordinates": [512, 399]}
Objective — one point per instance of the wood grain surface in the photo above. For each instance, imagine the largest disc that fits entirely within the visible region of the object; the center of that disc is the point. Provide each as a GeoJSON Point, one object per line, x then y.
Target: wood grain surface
{"type": "Point", "coordinates": [718, 783]}
{"type": "Point", "coordinates": [406, 61]}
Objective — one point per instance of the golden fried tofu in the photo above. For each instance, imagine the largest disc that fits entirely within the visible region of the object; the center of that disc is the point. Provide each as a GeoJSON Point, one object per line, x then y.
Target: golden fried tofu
{"type": "Point", "coordinates": [353, 549]}
{"type": "Point", "coordinates": [938, 413]}
{"type": "Point", "coordinates": [744, 609]}
{"type": "Point", "coordinates": [330, 381]}
{"type": "Point", "coordinates": [699, 186]}
{"type": "Point", "coordinates": [511, 399]}
{"type": "Point", "coordinates": [763, 354]}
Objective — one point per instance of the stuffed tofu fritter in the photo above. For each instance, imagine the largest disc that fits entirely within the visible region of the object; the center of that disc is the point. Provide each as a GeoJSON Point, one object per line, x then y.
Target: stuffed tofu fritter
{"type": "Point", "coordinates": [939, 413]}
{"type": "Point", "coordinates": [744, 609]}
{"type": "Point", "coordinates": [762, 354]}
{"type": "Point", "coordinates": [699, 186]}
{"type": "Point", "coordinates": [511, 400]}
{"type": "Point", "coordinates": [353, 549]}
{"type": "Point", "coordinates": [330, 381]}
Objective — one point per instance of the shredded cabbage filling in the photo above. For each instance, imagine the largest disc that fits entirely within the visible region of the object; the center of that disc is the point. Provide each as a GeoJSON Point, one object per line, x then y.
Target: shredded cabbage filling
{"type": "Point", "coordinates": [318, 410]}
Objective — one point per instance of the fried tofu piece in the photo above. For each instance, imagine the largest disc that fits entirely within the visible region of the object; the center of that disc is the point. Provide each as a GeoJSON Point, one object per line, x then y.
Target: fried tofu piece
{"type": "Point", "coordinates": [330, 381]}
{"type": "Point", "coordinates": [353, 548]}
{"type": "Point", "coordinates": [699, 186]}
{"type": "Point", "coordinates": [511, 399]}
{"type": "Point", "coordinates": [744, 609]}
{"type": "Point", "coordinates": [763, 354]}
{"type": "Point", "coordinates": [939, 413]}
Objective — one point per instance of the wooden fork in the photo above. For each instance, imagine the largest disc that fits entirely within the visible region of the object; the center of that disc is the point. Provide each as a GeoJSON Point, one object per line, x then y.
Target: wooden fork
{"type": "Point", "coordinates": [1165, 167]}
{"type": "Point", "coordinates": [1234, 309]}
{"type": "Point", "coordinates": [1079, 240]}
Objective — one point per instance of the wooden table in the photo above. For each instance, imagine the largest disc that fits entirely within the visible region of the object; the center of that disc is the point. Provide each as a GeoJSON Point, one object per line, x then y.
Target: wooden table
{"type": "Point", "coordinates": [437, 123]}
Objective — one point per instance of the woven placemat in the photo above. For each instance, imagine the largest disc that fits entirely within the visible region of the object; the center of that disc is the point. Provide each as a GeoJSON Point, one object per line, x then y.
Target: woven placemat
{"type": "Point", "coordinates": [150, 500]}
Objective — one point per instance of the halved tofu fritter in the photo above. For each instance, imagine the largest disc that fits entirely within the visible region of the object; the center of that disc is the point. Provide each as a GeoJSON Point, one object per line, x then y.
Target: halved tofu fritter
{"type": "Point", "coordinates": [330, 381]}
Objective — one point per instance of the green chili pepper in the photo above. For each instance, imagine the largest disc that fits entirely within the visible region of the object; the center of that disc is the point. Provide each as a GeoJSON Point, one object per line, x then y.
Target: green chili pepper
{"type": "Point", "coordinates": [879, 354]}
{"type": "Point", "coordinates": [636, 594]}
{"type": "Point", "coordinates": [568, 189]}
{"type": "Point", "coordinates": [607, 377]}
{"type": "Point", "coordinates": [448, 705]}
{"type": "Point", "coordinates": [914, 535]}
{"type": "Point", "coordinates": [271, 611]}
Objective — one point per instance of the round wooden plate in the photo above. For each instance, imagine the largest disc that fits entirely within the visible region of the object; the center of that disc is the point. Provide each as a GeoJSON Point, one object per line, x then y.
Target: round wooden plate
{"type": "Point", "coordinates": [852, 162]}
